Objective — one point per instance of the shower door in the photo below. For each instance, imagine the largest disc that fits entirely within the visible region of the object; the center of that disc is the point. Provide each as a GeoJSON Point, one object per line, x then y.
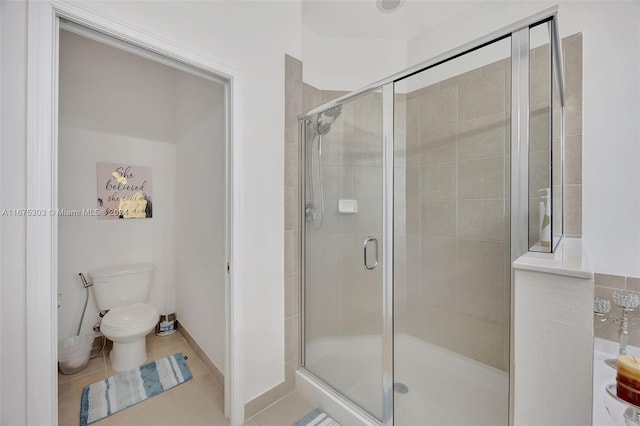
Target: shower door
{"type": "Point", "coordinates": [343, 248]}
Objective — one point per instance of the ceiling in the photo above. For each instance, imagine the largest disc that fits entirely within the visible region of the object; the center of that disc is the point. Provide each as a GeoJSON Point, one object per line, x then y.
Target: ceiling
{"type": "Point", "coordinates": [362, 19]}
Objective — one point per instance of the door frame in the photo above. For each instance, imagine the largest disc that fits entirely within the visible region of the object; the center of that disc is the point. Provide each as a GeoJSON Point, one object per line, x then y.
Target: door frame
{"type": "Point", "coordinates": [43, 18]}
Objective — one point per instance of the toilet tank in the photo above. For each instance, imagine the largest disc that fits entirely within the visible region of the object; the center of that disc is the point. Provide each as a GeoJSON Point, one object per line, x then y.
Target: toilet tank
{"type": "Point", "coordinates": [121, 285]}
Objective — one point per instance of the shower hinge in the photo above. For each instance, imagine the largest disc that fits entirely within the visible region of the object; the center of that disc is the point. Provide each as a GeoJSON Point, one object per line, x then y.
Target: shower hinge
{"type": "Point", "coordinates": [228, 267]}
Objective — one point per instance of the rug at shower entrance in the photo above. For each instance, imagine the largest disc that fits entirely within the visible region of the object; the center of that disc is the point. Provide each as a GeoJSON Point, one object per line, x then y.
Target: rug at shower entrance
{"type": "Point", "coordinates": [115, 393]}
{"type": "Point", "coordinates": [316, 417]}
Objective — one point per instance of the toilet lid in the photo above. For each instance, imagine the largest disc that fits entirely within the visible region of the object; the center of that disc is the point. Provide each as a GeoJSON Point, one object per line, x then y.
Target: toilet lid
{"type": "Point", "coordinates": [130, 316]}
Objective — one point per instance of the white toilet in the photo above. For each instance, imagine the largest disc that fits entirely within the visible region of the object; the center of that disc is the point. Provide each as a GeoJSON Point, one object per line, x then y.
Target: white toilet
{"type": "Point", "coordinates": [123, 291]}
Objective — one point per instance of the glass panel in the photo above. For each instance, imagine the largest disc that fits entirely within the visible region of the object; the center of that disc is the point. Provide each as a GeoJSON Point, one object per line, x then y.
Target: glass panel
{"type": "Point", "coordinates": [540, 139]}
{"type": "Point", "coordinates": [452, 241]}
{"type": "Point", "coordinates": [557, 154]}
{"type": "Point", "coordinates": [343, 296]}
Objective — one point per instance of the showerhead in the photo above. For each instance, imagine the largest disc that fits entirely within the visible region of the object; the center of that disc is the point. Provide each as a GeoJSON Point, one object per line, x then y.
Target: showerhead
{"type": "Point", "coordinates": [323, 127]}
{"type": "Point", "coordinates": [333, 112]}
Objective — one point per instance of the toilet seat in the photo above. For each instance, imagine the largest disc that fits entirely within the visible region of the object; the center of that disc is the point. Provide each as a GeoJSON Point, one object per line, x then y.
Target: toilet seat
{"type": "Point", "coordinates": [129, 320]}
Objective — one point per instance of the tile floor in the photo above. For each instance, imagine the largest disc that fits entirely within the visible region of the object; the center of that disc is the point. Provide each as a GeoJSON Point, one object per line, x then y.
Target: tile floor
{"type": "Point", "coordinates": [196, 402]}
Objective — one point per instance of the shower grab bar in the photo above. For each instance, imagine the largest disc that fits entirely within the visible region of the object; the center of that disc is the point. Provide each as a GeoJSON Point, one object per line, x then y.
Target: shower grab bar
{"type": "Point", "coordinates": [364, 246]}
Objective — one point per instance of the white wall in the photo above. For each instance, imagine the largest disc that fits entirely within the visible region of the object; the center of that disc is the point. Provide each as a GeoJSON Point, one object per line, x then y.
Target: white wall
{"type": "Point", "coordinates": [349, 63]}
{"type": "Point", "coordinates": [252, 37]}
{"type": "Point", "coordinates": [116, 108]}
{"type": "Point", "coordinates": [13, 169]}
{"type": "Point", "coordinates": [611, 105]}
{"type": "Point", "coordinates": [200, 213]}
{"type": "Point", "coordinates": [87, 242]}
{"type": "Point", "coordinates": [611, 136]}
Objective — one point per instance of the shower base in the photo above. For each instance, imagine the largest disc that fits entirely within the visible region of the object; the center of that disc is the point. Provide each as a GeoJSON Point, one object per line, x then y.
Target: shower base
{"type": "Point", "coordinates": [444, 388]}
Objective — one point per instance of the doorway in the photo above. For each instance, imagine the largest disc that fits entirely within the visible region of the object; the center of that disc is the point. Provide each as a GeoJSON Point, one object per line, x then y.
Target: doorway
{"type": "Point", "coordinates": [46, 23]}
{"type": "Point", "coordinates": [162, 129]}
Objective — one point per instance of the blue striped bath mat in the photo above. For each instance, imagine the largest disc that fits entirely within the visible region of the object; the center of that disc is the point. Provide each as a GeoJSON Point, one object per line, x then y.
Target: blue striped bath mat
{"type": "Point", "coordinates": [102, 399]}
{"type": "Point", "coordinates": [316, 417]}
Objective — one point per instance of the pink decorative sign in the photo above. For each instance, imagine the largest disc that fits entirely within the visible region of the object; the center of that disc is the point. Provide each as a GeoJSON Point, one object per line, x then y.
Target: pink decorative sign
{"type": "Point", "coordinates": [124, 191]}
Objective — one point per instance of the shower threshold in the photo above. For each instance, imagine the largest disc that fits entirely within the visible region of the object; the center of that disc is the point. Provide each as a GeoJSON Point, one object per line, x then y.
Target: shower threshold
{"type": "Point", "coordinates": [436, 379]}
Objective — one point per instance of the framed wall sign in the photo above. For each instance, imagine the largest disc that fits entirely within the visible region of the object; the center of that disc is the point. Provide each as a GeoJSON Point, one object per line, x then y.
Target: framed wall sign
{"type": "Point", "coordinates": [124, 191]}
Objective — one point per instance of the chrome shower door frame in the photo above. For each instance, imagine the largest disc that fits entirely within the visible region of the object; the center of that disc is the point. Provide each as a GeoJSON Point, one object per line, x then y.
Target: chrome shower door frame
{"type": "Point", "coordinates": [386, 246]}
{"type": "Point", "coordinates": [388, 97]}
{"type": "Point", "coordinates": [519, 33]}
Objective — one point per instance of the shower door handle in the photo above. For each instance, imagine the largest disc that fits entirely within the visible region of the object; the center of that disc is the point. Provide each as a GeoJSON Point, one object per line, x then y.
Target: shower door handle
{"type": "Point", "coordinates": [365, 246]}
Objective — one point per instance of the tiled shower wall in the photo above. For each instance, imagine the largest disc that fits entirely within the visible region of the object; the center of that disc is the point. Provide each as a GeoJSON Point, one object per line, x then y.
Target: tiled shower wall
{"type": "Point", "coordinates": [572, 51]}
{"type": "Point", "coordinates": [457, 272]}
{"type": "Point", "coordinates": [455, 292]}
{"type": "Point", "coordinates": [293, 107]}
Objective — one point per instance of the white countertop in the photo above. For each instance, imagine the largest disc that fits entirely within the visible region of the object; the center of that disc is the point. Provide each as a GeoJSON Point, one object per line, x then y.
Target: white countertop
{"type": "Point", "coordinates": [570, 259]}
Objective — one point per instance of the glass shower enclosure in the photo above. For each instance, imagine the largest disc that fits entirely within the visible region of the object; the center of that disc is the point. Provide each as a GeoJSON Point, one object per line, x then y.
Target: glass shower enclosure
{"type": "Point", "coordinates": [418, 193]}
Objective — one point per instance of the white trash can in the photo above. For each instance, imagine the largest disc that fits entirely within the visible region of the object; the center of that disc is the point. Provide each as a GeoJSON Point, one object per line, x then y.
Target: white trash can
{"type": "Point", "coordinates": [74, 352]}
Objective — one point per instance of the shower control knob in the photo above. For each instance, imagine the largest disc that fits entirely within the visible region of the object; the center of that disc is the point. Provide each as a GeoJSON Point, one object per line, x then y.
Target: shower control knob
{"type": "Point", "coordinates": [310, 212]}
